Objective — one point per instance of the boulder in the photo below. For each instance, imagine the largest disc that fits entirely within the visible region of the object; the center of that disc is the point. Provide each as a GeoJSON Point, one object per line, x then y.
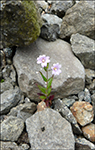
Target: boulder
{"type": "Point", "coordinates": [70, 81]}
{"type": "Point", "coordinates": [84, 48]}
{"type": "Point", "coordinates": [20, 22]}
{"type": "Point", "coordinates": [9, 99]}
{"type": "Point", "coordinates": [48, 130]}
{"type": "Point", "coordinates": [78, 19]}
{"type": "Point", "coordinates": [11, 129]}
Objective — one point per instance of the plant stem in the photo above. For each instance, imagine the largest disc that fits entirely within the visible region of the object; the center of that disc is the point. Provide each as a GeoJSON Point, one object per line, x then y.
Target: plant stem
{"type": "Point", "coordinates": [47, 83]}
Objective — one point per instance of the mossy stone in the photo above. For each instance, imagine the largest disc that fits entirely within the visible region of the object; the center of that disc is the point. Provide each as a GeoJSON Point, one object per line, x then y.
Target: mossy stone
{"type": "Point", "coordinates": [20, 23]}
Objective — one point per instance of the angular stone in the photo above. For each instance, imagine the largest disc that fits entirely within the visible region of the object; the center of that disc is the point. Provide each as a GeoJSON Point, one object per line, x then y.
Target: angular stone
{"type": "Point", "coordinates": [91, 87]}
{"type": "Point", "coordinates": [42, 4]}
{"type": "Point", "coordinates": [87, 95]}
{"type": "Point", "coordinates": [51, 27]}
{"type": "Point", "coordinates": [48, 130]}
{"type": "Point", "coordinates": [89, 132]}
{"type": "Point", "coordinates": [68, 101]}
{"type": "Point", "coordinates": [60, 7]}
{"type": "Point", "coordinates": [81, 95]}
{"type": "Point", "coordinates": [66, 113]}
{"type": "Point", "coordinates": [8, 146]}
{"type": "Point", "coordinates": [23, 111]}
{"type": "Point", "coordinates": [78, 19]}
{"type": "Point", "coordinates": [6, 85]}
{"type": "Point", "coordinates": [83, 144]}
{"type": "Point", "coordinates": [83, 112]}
{"type": "Point", "coordinates": [9, 99]}
{"type": "Point", "coordinates": [11, 129]}
{"type": "Point", "coordinates": [89, 75]}
{"type": "Point", "coordinates": [70, 81]}
{"type": "Point", "coordinates": [84, 48]}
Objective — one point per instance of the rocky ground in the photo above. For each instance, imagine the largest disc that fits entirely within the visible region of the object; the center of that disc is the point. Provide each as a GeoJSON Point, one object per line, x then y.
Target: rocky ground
{"type": "Point", "coordinates": [67, 36]}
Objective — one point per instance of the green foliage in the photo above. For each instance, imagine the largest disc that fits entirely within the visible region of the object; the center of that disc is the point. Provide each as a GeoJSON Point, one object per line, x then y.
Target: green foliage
{"type": "Point", "coordinates": [2, 80]}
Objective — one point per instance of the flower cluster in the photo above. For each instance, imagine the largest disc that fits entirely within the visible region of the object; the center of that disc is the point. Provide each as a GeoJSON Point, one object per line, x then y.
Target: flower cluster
{"type": "Point", "coordinates": [45, 95]}
{"type": "Point", "coordinates": [44, 60]}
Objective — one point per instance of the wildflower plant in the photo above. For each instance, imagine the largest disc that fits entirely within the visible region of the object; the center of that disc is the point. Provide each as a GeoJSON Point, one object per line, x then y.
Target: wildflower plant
{"type": "Point", "coordinates": [45, 91]}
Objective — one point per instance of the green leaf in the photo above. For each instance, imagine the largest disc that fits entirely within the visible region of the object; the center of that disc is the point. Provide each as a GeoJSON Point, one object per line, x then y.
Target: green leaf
{"type": "Point", "coordinates": [42, 89]}
{"type": "Point", "coordinates": [51, 77]}
{"type": "Point", "coordinates": [47, 65]}
{"type": "Point", "coordinates": [50, 82]}
{"type": "Point", "coordinates": [49, 90]}
{"type": "Point", "coordinates": [45, 68]}
{"type": "Point", "coordinates": [2, 80]}
{"type": "Point", "coordinates": [42, 97]}
{"type": "Point", "coordinates": [44, 78]}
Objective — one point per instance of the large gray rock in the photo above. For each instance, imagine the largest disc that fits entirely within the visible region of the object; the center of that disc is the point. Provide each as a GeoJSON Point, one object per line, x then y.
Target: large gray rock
{"type": "Point", "coordinates": [84, 48]}
{"type": "Point", "coordinates": [79, 19]}
{"type": "Point", "coordinates": [11, 129]}
{"type": "Point", "coordinates": [20, 22]}
{"type": "Point", "coordinates": [48, 130]}
{"type": "Point", "coordinates": [9, 99]}
{"type": "Point", "coordinates": [70, 81]}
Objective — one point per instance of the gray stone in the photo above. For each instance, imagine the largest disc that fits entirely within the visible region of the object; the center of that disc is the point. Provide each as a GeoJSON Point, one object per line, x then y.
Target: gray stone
{"type": "Point", "coordinates": [6, 85]}
{"type": "Point", "coordinates": [81, 95]}
{"type": "Point", "coordinates": [66, 113]}
{"type": "Point", "coordinates": [78, 19]}
{"type": "Point", "coordinates": [60, 7]}
{"type": "Point", "coordinates": [23, 111]}
{"type": "Point", "coordinates": [48, 130]}
{"type": "Point", "coordinates": [11, 129]}
{"type": "Point", "coordinates": [70, 81]}
{"type": "Point", "coordinates": [42, 4]}
{"type": "Point", "coordinates": [24, 147]}
{"type": "Point", "coordinates": [82, 144]}
{"type": "Point", "coordinates": [9, 99]}
{"type": "Point", "coordinates": [6, 71]}
{"type": "Point", "coordinates": [87, 96]}
{"type": "Point", "coordinates": [68, 101]}
{"type": "Point", "coordinates": [93, 99]}
{"type": "Point", "coordinates": [51, 27]}
{"type": "Point", "coordinates": [91, 87]}
{"type": "Point", "coordinates": [9, 74]}
{"type": "Point", "coordinates": [8, 146]}
{"type": "Point", "coordinates": [89, 75]}
{"type": "Point", "coordinates": [84, 48]}
{"type": "Point", "coordinates": [20, 22]}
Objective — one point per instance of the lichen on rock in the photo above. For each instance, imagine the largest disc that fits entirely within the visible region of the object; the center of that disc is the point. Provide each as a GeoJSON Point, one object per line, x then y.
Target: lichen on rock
{"type": "Point", "coordinates": [20, 22]}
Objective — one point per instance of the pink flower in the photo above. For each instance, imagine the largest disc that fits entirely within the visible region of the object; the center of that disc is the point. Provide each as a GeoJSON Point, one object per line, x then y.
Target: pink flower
{"type": "Point", "coordinates": [43, 60]}
{"type": "Point", "coordinates": [56, 69]}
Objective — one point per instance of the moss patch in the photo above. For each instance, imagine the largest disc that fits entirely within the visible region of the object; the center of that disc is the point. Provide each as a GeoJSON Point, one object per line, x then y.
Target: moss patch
{"type": "Point", "coordinates": [20, 23]}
